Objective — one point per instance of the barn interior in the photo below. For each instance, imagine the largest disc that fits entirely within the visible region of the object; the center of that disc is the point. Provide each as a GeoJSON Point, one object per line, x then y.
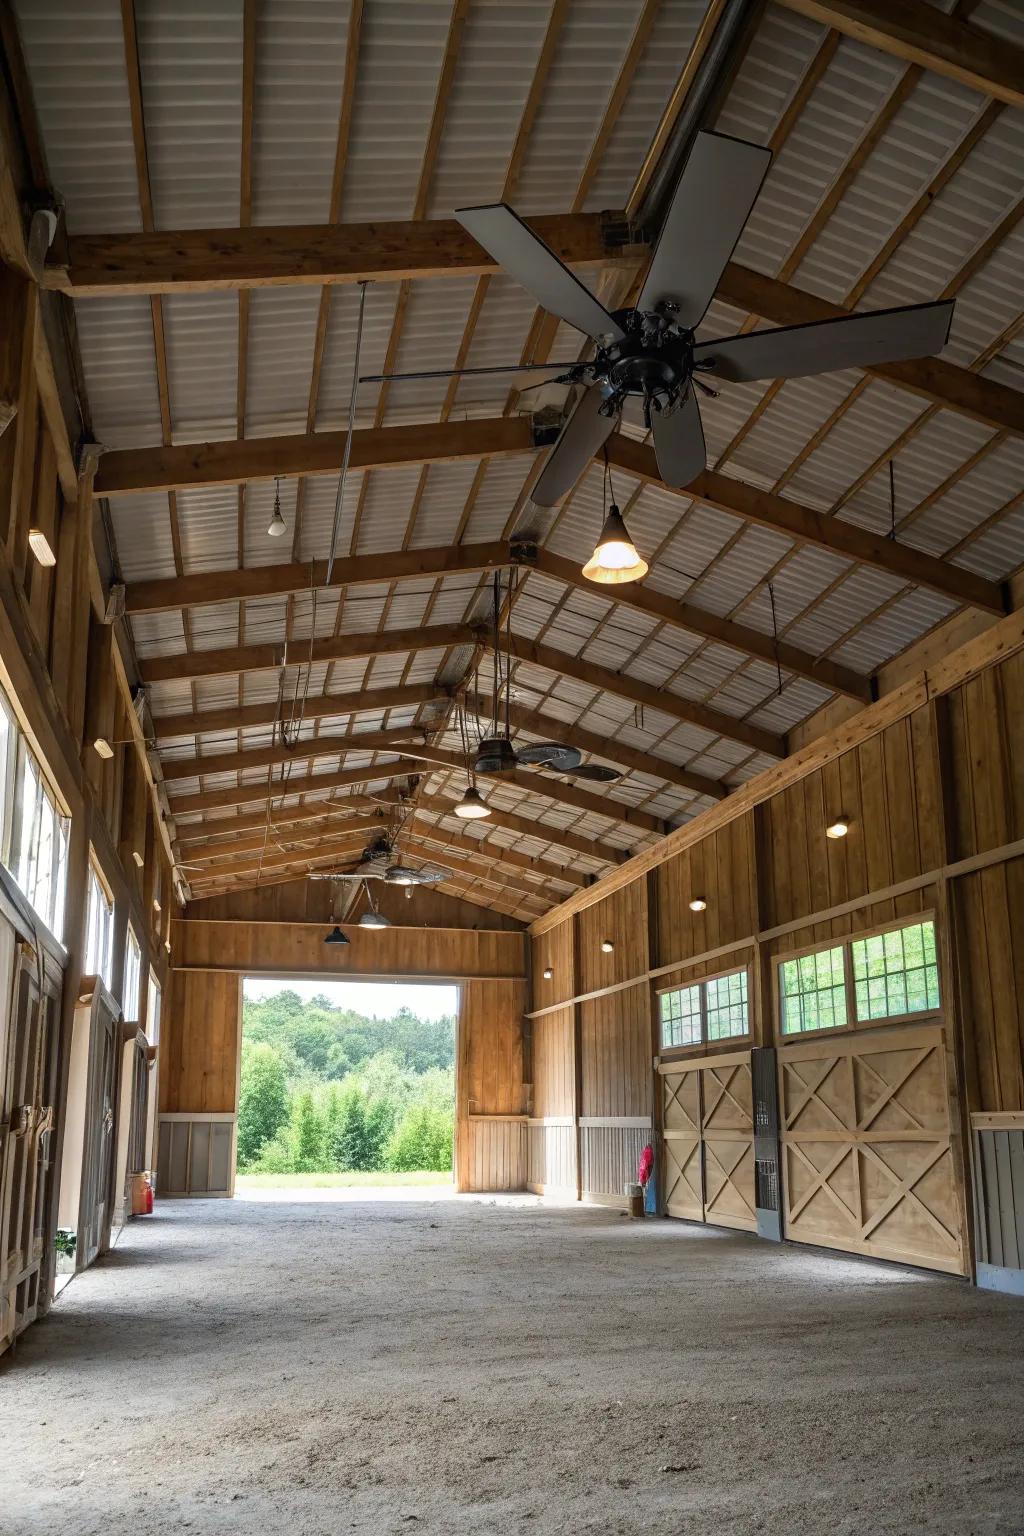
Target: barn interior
{"type": "Point", "coordinates": [530, 497]}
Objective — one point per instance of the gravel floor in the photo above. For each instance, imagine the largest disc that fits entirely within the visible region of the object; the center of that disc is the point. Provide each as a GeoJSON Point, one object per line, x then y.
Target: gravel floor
{"type": "Point", "coordinates": [323, 1366]}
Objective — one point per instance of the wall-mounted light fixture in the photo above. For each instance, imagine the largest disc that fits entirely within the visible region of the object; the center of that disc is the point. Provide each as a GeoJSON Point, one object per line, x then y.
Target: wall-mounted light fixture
{"type": "Point", "coordinates": [548, 973]}
{"type": "Point", "coordinates": [156, 905]}
{"type": "Point", "coordinates": [838, 828]}
{"type": "Point", "coordinates": [698, 904]}
{"type": "Point", "coordinates": [136, 855]}
{"type": "Point", "coordinates": [102, 748]}
{"type": "Point", "coordinates": [607, 946]}
{"type": "Point", "coordinates": [39, 544]}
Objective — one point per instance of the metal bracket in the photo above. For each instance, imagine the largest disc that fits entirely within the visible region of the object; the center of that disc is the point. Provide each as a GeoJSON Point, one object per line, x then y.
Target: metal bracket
{"type": "Point", "coordinates": [523, 550]}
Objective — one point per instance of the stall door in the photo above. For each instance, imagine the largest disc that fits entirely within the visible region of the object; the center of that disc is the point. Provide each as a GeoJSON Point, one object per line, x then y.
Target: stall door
{"type": "Point", "coordinates": [96, 1209]}
{"type": "Point", "coordinates": [708, 1128]}
{"type": "Point", "coordinates": [28, 1066]}
{"type": "Point", "coordinates": [868, 1162]}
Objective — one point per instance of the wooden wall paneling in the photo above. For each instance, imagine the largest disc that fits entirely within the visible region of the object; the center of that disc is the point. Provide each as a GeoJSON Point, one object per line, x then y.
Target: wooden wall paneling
{"type": "Point", "coordinates": [553, 950]}
{"type": "Point", "coordinates": [202, 1031]}
{"type": "Point", "coordinates": [722, 871]}
{"type": "Point", "coordinates": [491, 1136]}
{"type": "Point", "coordinates": [988, 906]}
{"type": "Point", "coordinates": [622, 919]}
{"type": "Point", "coordinates": [14, 296]}
{"type": "Point", "coordinates": [39, 583]}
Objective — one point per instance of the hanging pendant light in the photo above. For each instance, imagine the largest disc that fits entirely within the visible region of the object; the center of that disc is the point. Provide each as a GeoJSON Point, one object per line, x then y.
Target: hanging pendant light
{"type": "Point", "coordinates": [472, 806]}
{"type": "Point", "coordinates": [277, 523]}
{"type": "Point", "coordinates": [374, 920]}
{"type": "Point", "coordinates": [336, 936]}
{"type": "Point", "coordinates": [615, 559]}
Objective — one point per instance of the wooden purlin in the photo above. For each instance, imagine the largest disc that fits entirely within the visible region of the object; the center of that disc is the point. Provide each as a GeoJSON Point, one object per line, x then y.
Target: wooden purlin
{"type": "Point", "coordinates": [318, 706]}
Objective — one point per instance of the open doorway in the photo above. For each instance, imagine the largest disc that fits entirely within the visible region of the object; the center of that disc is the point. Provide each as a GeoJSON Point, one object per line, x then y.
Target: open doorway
{"type": "Point", "coordinates": [345, 1086]}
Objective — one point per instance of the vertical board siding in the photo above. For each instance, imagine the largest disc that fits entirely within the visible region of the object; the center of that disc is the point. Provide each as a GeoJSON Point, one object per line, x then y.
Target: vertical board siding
{"type": "Point", "coordinates": [720, 870]}
{"type": "Point", "coordinates": [553, 1092]}
{"type": "Point", "coordinates": [553, 950]}
{"type": "Point", "coordinates": [622, 919]}
{"type": "Point", "coordinates": [201, 1039]}
{"type": "Point", "coordinates": [990, 905]}
{"type": "Point", "coordinates": [489, 1081]}
{"type": "Point", "coordinates": [999, 1183]}
{"type": "Point", "coordinates": [616, 1047]}
{"type": "Point", "coordinates": [552, 1158]}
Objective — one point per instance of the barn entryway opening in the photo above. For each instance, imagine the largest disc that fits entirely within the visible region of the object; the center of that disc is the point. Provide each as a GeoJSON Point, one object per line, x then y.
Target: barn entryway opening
{"type": "Point", "coordinates": [347, 1089]}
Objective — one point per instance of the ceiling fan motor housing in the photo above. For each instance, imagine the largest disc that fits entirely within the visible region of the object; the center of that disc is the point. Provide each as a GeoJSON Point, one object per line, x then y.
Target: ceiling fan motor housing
{"type": "Point", "coordinates": [495, 754]}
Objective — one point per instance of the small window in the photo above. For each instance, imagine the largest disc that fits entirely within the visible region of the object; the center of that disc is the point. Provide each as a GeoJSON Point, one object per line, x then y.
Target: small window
{"type": "Point", "coordinates": [99, 932]}
{"type": "Point", "coordinates": [41, 856]}
{"type": "Point", "coordinates": [680, 1017]}
{"type": "Point", "coordinates": [707, 1012]}
{"type": "Point", "coordinates": [813, 992]}
{"type": "Point", "coordinates": [132, 977]}
{"type": "Point", "coordinates": [727, 1006]}
{"type": "Point", "coordinates": [896, 973]}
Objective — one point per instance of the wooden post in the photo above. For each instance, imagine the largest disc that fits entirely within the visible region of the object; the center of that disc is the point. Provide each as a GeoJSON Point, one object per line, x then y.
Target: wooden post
{"type": "Point", "coordinates": [101, 697]}
{"type": "Point", "coordinates": [70, 636]}
{"type": "Point", "coordinates": [657, 1095]}
{"type": "Point", "coordinates": [577, 1054]}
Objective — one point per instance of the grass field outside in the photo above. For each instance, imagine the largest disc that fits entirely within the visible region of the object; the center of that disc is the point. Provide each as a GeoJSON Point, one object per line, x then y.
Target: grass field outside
{"type": "Point", "coordinates": [245, 1181]}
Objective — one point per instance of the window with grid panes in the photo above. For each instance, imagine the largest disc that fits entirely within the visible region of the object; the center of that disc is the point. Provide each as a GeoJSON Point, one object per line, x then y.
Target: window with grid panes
{"type": "Point", "coordinates": [706, 1012]}
{"type": "Point", "coordinates": [132, 976]}
{"type": "Point", "coordinates": [99, 929]}
{"type": "Point", "coordinates": [896, 973]}
{"type": "Point", "coordinates": [812, 992]}
{"type": "Point", "coordinates": [40, 843]}
{"type": "Point", "coordinates": [680, 1017]}
{"type": "Point", "coordinates": [726, 1006]}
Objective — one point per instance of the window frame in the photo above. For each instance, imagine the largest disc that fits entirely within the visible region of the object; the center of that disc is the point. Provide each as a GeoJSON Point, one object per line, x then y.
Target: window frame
{"type": "Point", "coordinates": [130, 938]}
{"type": "Point", "coordinates": [25, 761]}
{"type": "Point", "coordinates": [703, 1046]}
{"type": "Point", "coordinates": [96, 874]}
{"type": "Point", "coordinates": [846, 943]}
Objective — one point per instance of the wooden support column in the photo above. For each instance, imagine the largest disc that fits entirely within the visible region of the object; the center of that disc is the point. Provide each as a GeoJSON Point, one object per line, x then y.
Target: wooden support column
{"type": "Point", "coordinates": [13, 304]}
{"type": "Point", "coordinates": [577, 1054]}
{"type": "Point", "coordinates": [100, 712]}
{"type": "Point", "coordinates": [657, 1095]}
{"type": "Point", "coordinates": [26, 434]}
{"type": "Point", "coordinates": [134, 817]}
{"type": "Point", "coordinates": [70, 635]}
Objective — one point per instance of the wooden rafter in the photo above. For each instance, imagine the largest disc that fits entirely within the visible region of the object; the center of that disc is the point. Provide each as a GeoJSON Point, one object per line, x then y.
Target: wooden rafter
{"type": "Point", "coordinates": [317, 707]}
{"type": "Point", "coordinates": [921, 34]}
{"type": "Point", "coordinates": [274, 756]}
{"type": "Point", "coordinates": [483, 847]}
{"type": "Point", "coordinates": [540, 831]}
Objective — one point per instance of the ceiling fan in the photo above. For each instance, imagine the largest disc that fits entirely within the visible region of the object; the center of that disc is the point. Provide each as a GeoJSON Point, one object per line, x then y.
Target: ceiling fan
{"type": "Point", "coordinates": [649, 352]}
{"type": "Point", "coordinates": [495, 753]}
{"type": "Point", "coordinates": [379, 860]}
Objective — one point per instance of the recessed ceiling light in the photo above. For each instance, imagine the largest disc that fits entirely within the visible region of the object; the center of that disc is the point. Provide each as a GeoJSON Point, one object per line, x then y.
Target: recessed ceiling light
{"type": "Point", "coordinates": [39, 544]}
{"type": "Point", "coordinates": [838, 828]}
{"type": "Point", "coordinates": [698, 904]}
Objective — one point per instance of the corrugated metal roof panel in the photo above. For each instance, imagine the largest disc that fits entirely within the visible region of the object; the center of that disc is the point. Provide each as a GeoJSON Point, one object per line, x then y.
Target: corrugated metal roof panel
{"type": "Point", "coordinates": [300, 65]}
{"type": "Point", "coordinates": [190, 60]}
{"type": "Point", "coordinates": [119, 364]}
{"type": "Point", "coordinates": [75, 60]}
{"type": "Point", "coordinates": [201, 331]}
{"type": "Point", "coordinates": [142, 534]}
{"type": "Point", "coordinates": [279, 362]}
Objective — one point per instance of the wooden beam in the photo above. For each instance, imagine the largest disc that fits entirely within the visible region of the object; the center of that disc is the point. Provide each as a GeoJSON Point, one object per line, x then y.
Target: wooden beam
{"type": "Point", "coordinates": [188, 832]}
{"type": "Point", "coordinates": [832, 533]}
{"type": "Point", "coordinates": [303, 576]}
{"type": "Point", "coordinates": [297, 784]}
{"type": "Point", "coordinates": [920, 34]}
{"type": "Point", "coordinates": [482, 847]}
{"type": "Point", "coordinates": [549, 728]}
{"type": "Point", "coordinates": [314, 255]}
{"type": "Point", "coordinates": [332, 852]}
{"type": "Point", "coordinates": [273, 841]}
{"type": "Point", "coordinates": [317, 707]}
{"type": "Point", "coordinates": [711, 626]}
{"type": "Point", "coordinates": [504, 878]}
{"type": "Point", "coordinates": [526, 826]}
{"type": "Point", "coordinates": [255, 658]}
{"type": "Point", "coordinates": [125, 471]}
{"type": "Point", "coordinates": [562, 664]}
{"type": "Point", "coordinates": [205, 763]}
{"type": "Point", "coordinates": [563, 792]}
{"type": "Point", "coordinates": [957, 389]}
{"type": "Point", "coordinates": [278, 580]}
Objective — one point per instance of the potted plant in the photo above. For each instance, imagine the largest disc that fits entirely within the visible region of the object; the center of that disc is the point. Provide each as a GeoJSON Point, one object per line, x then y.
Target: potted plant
{"type": "Point", "coordinates": [65, 1243]}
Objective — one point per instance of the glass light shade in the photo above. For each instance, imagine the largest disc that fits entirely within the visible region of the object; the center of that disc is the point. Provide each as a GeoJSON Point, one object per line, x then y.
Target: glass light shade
{"type": "Point", "coordinates": [615, 559]}
{"type": "Point", "coordinates": [472, 806]}
{"type": "Point", "coordinates": [277, 525]}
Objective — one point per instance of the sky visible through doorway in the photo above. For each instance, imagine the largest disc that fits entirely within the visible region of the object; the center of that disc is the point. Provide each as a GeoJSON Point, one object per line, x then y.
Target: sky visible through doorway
{"type": "Point", "coordinates": [379, 1000]}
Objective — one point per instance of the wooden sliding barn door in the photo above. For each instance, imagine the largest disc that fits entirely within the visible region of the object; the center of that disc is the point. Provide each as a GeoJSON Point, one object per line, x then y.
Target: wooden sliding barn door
{"type": "Point", "coordinates": [28, 1064]}
{"type": "Point", "coordinates": [708, 1128]}
{"type": "Point", "coordinates": [867, 1155]}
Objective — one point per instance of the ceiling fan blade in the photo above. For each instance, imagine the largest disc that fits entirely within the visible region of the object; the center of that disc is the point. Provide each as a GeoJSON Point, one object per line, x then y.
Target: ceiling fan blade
{"type": "Point", "coordinates": [580, 439]}
{"type": "Point", "coordinates": [710, 205]}
{"type": "Point", "coordinates": [855, 341]}
{"type": "Point", "coordinates": [535, 266]}
{"type": "Point", "coordinates": [550, 754]}
{"type": "Point", "coordinates": [460, 373]}
{"type": "Point", "coordinates": [596, 772]}
{"type": "Point", "coordinates": [679, 442]}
